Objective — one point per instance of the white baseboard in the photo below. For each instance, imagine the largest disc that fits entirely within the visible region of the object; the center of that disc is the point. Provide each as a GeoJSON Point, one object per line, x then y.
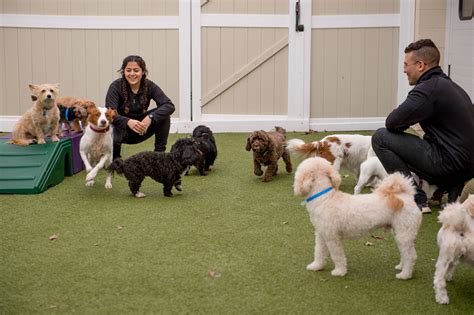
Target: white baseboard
{"type": "Point", "coordinates": [248, 123]}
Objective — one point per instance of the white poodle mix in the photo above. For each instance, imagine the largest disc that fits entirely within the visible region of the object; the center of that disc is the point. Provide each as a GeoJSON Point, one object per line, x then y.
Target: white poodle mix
{"type": "Point", "coordinates": [456, 243]}
{"type": "Point", "coordinates": [337, 215]}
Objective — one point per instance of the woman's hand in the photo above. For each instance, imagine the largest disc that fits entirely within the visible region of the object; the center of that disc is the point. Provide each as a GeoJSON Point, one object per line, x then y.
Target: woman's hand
{"type": "Point", "coordinates": [138, 126]}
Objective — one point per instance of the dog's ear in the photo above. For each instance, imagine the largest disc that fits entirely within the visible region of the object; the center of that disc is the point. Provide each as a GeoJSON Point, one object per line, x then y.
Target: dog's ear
{"type": "Point", "coordinates": [248, 146]}
{"type": "Point", "coordinates": [334, 177]}
{"type": "Point", "coordinates": [33, 87]}
{"type": "Point", "coordinates": [468, 204]}
{"type": "Point", "coordinates": [303, 183]}
{"type": "Point", "coordinates": [112, 113]}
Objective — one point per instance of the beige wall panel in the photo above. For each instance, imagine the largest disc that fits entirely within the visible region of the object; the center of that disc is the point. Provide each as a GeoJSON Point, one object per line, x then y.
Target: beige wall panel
{"type": "Point", "coordinates": [431, 4]}
{"type": "Point", "coordinates": [92, 65]}
{"type": "Point", "coordinates": [240, 60]}
{"type": "Point", "coordinates": [157, 7]}
{"type": "Point", "coordinates": [39, 62]}
{"type": "Point", "coordinates": [78, 8]}
{"type": "Point", "coordinates": [79, 87]}
{"type": "Point", "coordinates": [172, 7]}
{"type": "Point", "coordinates": [370, 72]}
{"type": "Point", "coordinates": [204, 65]}
{"type": "Point", "coordinates": [344, 73]}
{"type": "Point", "coordinates": [9, 7]}
{"type": "Point", "coordinates": [281, 83]}
{"type": "Point", "coordinates": [12, 90]}
{"type": "Point", "coordinates": [353, 72]}
{"type": "Point", "coordinates": [65, 62]}
{"type": "Point", "coordinates": [357, 67]}
{"type": "Point", "coordinates": [64, 7]}
{"type": "Point", "coordinates": [107, 68]}
{"type": "Point", "coordinates": [131, 7]}
{"type": "Point", "coordinates": [2, 77]}
{"type": "Point", "coordinates": [246, 7]}
{"type": "Point", "coordinates": [337, 7]}
{"type": "Point", "coordinates": [23, 6]}
{"type": "Point", "coordinates": [395, 66]}
{"type": "Point", "coordinates": [118, 7]}
{"type": "Point", "coordinates": [385, 76]}
{"type": "Point", "coordinates": [91, 7]}
{"type": "Point", "coordinates": [254, 77]}
{"type": "Point", "coordinates": [38, 7]}
{"type": "Point", "coordinates": [330, 72]}
{"type": "Point", "coordinates": [104, 7]}
{"type": "Point", "coordinates": [240, 7]}
{"type": "Point", "coordinates": [51, 55]}
{"type": "Point", "coordinates": [25, 75]}
{"type": "Point", "coordinates": [213, 56]}
{"type": "Point", "coordinates": [227, 68]}
{"type": "Point", "coordinates": [172, 68]}
{"type": "Point", "coordinates": [317, 73]}
{"type": "Point", "coordinates": [268, 75]}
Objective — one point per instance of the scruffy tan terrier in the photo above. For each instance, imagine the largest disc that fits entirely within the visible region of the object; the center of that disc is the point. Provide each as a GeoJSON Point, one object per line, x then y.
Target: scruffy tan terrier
{"type": "Point", "coordinates": [40, 120]}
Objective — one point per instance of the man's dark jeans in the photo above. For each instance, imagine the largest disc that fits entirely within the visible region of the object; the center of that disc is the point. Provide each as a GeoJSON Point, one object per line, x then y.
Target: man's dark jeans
{"type": "Point", "coordinates": [405, 153]}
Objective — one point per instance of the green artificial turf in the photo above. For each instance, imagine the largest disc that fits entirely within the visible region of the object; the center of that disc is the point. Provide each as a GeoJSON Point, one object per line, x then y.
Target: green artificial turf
{"type": "Point", "coordinates": [228, 243]}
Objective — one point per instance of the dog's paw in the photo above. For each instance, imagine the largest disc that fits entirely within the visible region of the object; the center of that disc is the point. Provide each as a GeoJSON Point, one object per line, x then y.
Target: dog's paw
{"type": "Point", "coordinates": [258, 172]}
{"type": "Point", "coordinates": [55, 139]}
{"type": "Point", "coordinates": [314, 266]}
{"type": "Point", "coordinates": [140, 195]}
{"type": "Point", "coordinates": [399, 266]}
{"type": "Point", "coordinates": [108, 186]}
{"type": "Point", "coordinates": [442, 298]}
{"type": "Point", "coordinates": [90, 183]}
{"type": "Point", "coordinates": [403, 275]}
{"type": "Point", "coordinates": [91, 176]}
{"type": "Point", "coordinates": [338, 272]}
{"type": "Point", "coordinates": [41, 141]}
{"type": "Point", "coordinates": [178, 187]}
{"type": "Point", "coordinates": [267, 179]}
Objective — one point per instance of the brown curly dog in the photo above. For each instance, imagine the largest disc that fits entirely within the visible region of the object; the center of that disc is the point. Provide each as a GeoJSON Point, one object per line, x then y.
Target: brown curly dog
{"type": "Point", "coordinates": [268, 148]}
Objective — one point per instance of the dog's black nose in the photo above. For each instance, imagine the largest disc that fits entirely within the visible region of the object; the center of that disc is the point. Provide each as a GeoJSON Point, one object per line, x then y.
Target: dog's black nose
{"type": "Point", "coordinates": [48, 96]}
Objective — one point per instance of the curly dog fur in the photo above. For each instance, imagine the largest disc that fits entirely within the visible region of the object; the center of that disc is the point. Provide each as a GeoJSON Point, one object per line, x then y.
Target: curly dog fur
{"type": "Point", "coordinates": [337, 216]}
{"type": "Point", "coordinates": [207, 145]}
{"type": "Point", "coordinates": [165, 168]}
{"type": "Point", "coordinates": [268, 148]}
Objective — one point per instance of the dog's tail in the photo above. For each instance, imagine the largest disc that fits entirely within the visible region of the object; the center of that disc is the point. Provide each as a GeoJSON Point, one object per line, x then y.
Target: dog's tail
{"type": "Point", "coordinates": [20, 142]}
{"type": "Point", "coordinates": [454, 215]}
{"type": "Point", "coordinates": [394, 185]}
{"type": "Point", "coordinates": [299, 148]}
{"type": "Point", "coordinates": [117, 166]}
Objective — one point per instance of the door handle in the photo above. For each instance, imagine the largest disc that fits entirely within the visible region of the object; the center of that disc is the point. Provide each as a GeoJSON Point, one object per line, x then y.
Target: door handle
{"type": "Point", "coordinates": [299, 27]}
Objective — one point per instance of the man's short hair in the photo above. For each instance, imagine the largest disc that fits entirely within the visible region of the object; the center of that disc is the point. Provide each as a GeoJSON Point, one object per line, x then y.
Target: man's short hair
{"type": "Point", "coordinates": [425, 50]}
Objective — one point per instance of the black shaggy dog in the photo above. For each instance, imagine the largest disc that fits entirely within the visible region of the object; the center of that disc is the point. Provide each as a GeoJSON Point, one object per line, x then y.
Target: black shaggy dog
{"type": "Point", "coordinates": [165, 168]}
{"type": "Point", "coordinates": [207, 145]}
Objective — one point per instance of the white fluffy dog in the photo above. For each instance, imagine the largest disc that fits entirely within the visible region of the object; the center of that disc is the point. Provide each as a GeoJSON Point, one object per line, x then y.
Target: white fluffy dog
{"type": "Point", "coordinates": [337, 215]}
{"type": "Point", "coordinates": [455, 241]}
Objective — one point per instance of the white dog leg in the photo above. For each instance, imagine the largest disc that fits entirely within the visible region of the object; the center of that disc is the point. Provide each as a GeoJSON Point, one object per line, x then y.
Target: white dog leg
{"type": "Point", "coordinates": [338, 257]}
{"type": "Point", "coordinates": [320, 254]}
{"type": "Point", "coordinates": [439, 282]}
{"type": "Point", "coordinates": [108, 179]}
{"type": "Point", "coordinates": [406, 246]}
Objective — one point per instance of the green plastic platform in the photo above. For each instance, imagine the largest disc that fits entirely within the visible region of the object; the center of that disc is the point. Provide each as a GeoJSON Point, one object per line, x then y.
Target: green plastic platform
{"type": "Point", "coordinates": [35, 168]}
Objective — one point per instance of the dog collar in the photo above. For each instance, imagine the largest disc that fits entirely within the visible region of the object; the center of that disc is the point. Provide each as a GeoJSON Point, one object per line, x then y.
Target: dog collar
{"type": "Point", "coordinates": [100, 130]}
{"type": "Point", "coordinates": [319, 194]}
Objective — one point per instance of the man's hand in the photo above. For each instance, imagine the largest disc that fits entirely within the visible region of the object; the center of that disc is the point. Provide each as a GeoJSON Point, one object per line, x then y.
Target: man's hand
{"type": "Point", "coordinates": [137, 126]}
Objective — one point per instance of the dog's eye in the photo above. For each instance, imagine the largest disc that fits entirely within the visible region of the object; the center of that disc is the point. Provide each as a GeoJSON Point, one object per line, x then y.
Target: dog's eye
{"type": "Point", "coordinates": [51, 90]}
{"type": "Point", "coordinates": [42, 91]}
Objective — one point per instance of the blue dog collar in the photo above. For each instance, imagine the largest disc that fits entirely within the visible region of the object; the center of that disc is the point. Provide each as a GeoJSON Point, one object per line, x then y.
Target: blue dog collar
{"type": "Point", "coordinates": [319, 194]}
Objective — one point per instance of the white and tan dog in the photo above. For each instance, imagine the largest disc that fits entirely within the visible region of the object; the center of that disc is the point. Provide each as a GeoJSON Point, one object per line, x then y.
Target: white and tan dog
{"type": "Point", "coordinates": [337, 215]}
{"type": "Point", "coordinates": [40, 120]}
{"type": "Point", "coordinates": [340, 149]}
{"type": "Point", "coordinates": [456, 243]}
{"type": "Point", "coordinates": [97, 144]}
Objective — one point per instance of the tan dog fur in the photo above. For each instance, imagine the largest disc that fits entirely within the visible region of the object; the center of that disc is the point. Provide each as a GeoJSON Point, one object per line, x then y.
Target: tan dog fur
{"type": "Point", "coordinates": [40, 120]}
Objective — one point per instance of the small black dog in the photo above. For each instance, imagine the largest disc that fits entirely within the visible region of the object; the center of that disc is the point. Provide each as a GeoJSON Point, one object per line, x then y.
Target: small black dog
{"type": "Point", "coordinates": [207, 145]}
{"type": "Point", "coordinates": [165, 168]}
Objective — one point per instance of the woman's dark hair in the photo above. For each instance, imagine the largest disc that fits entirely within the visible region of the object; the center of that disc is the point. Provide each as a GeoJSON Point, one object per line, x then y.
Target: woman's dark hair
{"type": "Point", "coordinates": [143, 82]}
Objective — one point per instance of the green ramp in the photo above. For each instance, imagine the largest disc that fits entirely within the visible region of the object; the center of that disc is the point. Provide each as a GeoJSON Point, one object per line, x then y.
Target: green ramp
{"type": "Point", "coordinates": [35, 168]}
